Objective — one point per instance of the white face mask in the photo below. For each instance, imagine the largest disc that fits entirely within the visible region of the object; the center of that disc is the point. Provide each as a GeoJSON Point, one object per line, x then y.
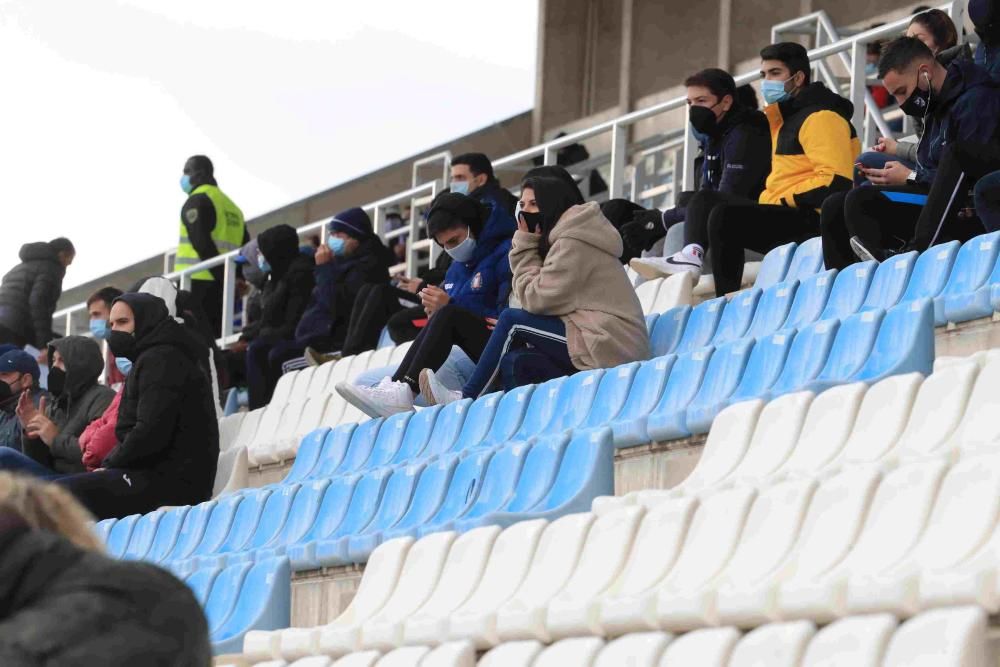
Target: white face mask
{"type": "Point", "coordinates": [464, 251]}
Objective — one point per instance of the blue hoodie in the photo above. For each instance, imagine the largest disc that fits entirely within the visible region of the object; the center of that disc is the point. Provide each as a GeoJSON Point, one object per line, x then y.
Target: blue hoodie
{"type": "Point", "coordinates": [483, 284]}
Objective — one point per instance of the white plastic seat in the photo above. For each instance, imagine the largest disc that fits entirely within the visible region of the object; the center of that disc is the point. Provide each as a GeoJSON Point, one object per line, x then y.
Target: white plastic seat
{"type": "Point", "coordinates": [229, 429]}
{"type": "Point", "coordinates": [954, 637]}
{"type": "Point", "coordinates": [462, 573]}
{"type": "Point", "coordinates": [578, 651]}
{"type": "Point", "coordinates": [675, 291]}
{"type": "Point", "coordinates": [451, 654]}
{"type": "Point", "coordinates": [835, 517]}
{"type": "Point", "coordinates": [232, 472]}
{"type": "Point", "coordinates": [774, 438]}
{"type": "Point", "coordinates": [248, 428]}
{"type": "Point", "coordinates": [896, 519]}
{"type": "Point", "coordinates": [318, 661]}
{"type": "Point", "coordinates": [827, 426]}
{"type": "Point", "coordinates": [725, 447]}
{"type": "Point", "coordinates": [513, 654]}
{"type": "Point", "coordinates": [311, 418]}
{"type": "Point", "coordinates": [320, 379]}
{"type": "Point", "coordinates": [267, 429]}
{"type": "Point", "coordinates": [701, 648]}
{"type": "Point", "coordinates": [300, 389]}
{"type": "Point", "coordinates": [881, 420]}
{"type": "Point", "coordinates": [509, 561]}
{"type": "Point", "coordinates": [774, 645]}
{"type": "Point", "coordinates": [641, 649]}
{"type": "Point", "coordinates": [407, 656]}
{"type": "Point", "coordinates": [337, 405]}
{"type": "Point", "coordinates": [980, 429]}
{"type": "Point", "coordinates": [381, 357]}
{"type": "Point", "coordinates": [358, 366]}
{"type": "Point", "coordinates": [399, 352]}
{"type": "Point", "coordinates": [359, 659]}
{"type": "Point", "coordinates": [647, 292]}
{"type": "Point", "coordinates": [574, 611]}
{"type": "Point", "coordinates": [771, 531]}
{"type": "Point", "coordinates": [265, 451]}
{"type": "Point", "coordinates": [855, 641]}
{"type": "Point", "coordinates": [283, 389]}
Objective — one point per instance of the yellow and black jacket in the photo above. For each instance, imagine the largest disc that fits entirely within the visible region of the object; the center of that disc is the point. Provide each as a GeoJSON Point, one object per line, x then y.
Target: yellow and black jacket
{"type": "Point", "coordinates": [813, 147]}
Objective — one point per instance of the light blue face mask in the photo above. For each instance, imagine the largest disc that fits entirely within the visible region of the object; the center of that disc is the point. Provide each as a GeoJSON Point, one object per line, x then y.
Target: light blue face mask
{"type": "Point", "coordinates": [336, 244]}
{"type": "Point", "coordinates": [871, 70]}
{"type": "Point", "coordinates": [774, 91]}
{"type": "Point", "coordinates": [262, 264]}
{"type": "Point", "coordinates": [186, 184]}
{"type": "Point", "coordinates": [464, 251]}
{"type": "Point", "coordinates": [99, 329]}
{"type": "Point", "coordinates": [459, 187]}
{"type": "Point", "coordinates": [124, 365]}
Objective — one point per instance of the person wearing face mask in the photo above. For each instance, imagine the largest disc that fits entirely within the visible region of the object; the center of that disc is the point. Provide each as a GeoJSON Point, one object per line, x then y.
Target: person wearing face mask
{"type": "Point", "coordinates": [211, 224]}
{"type": "Point", "coordinates": [911, 209]}
{"type": "Point", "coordinates": [736, 146]}
{"type": "Point", "coordinates": [99, 310]}
{"type": "Point", "coordinates": [167, 433]}
{"type": "Point", "coordinates": [462, 311]}
{"type": "Point", "coordinates": [19, 373]}
{"type": "Point", "coordinates": [472, 175]}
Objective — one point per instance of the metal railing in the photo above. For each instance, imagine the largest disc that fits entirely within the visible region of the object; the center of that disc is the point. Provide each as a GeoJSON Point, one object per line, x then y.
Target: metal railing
{"type": "Point", "coordinates": [848, 51]}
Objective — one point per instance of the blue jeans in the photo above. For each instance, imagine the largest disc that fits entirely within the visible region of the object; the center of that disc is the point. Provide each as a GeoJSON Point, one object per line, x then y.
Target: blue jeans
{"type": "Point", "coordinates": [517, 328]}
{"type": "Point", "coordinates": [987, 198]}
{"type": "Point", "coordinates": [14, 461]}
{"type": "Point", "coordinates": [876, 160]}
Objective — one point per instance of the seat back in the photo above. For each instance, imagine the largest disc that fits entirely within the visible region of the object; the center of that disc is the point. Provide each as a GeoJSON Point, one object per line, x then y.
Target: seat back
{"type": "Point", "coordinates": [195, 526]}
{"type": "Point", "coordinates": [555, 559]}
{"type": "Point", "coordinates": [382, 572]}
{"type": "Point", "coordinates": [774, 645]}
{"type": "Point", "coordinates": [335, 447]}
{"type": "Point", "coordinates": [827, 426]}
{"type": "Point", "coordinates": [243, 524]}
{"type": "Point", "coordinates": [726, 445]}
{"type": "Point", "coordinates": [463, 488]}
{"type": "Point", "coordinates": [849, 290]}
{"type": "Point", "coordinates": [420, 576]}
{"type": "Point", "coordinates": [302, 513]}
{"type": "Point", "coordinates": [807, 260]}
{"type": "Point", "coordinates": [774, 437]}
{"type": "Point", "coordinates": [480, 419]}
{"type": "Point", "coordinates": [120, 535]}
{"type": "Point", "coordinates": [365, 501]}
{"type": "Point", "coordinates": [890, 281]}
{"type": "Point", "coordinates": [229, 429]}
{"type": "Point", "coordinates": [264, 601]}
{"type": "Point", "coordinates": [651, 322]}
{"type": "Point", "coordinates": [248, 428]}
{"type": "Point", "coordinates": [949, 636]}
{"type": "Point", "coordinates": [856, 640]}
{"type": "Point", "coordinates": [272, 518]}
{"type": "Point", "coordinates": [806, 357]}
{"type": "Point", "coordinates": [268, 426]}
{"type": "Point", "coordinates": [320, 380]}
{"type": "Point", "coordinates": [540, 467]}
{"type": "Point", "coordinates": [604, 553]}
{"type": "Point", "coordinates": [312, 414]}
{"type": "Point", "coordinates": [418, 433]}
{"type": "Point", "coordinates": [513, 654]}
{"type": "Point", "coordinates": [979, 426]}
{"type": "Point", "coordinates": [289, 421]}
{"type": "Point", "coordinates": [360, 449]}
{"type": "Point", "coordinates": [447, 426]}
{"type": "Point", "coordinates": [387, 442]}
{"type": "Point", "coordinates": [331, 511]}
{"type": "Point", "coordinates": [658, 543]}
{"type": "Point", "coordinates": [499, 480]}
{"type": "Point", "coordinates": [975, 260]}
{"type": "Point", "coordinates": [701, 325]}
{"type": "Point", "coordinates": [575, 399]}
{"type": "Point", "coordinates": [668, 330]}
{"type": "Point", "coordinates": [647, 294]}
{"type": "Point", "coordinates": [200, 582]}
{"type": "Point", "coordinates": [433, 485]}
{"type": "Point", "coordinates": [611, 396]}
{"type": "Point", "coordinates": [462, 571]}
{"type": "Point", "coordinates": [937, 409]}
{"type": "Point", "coordinates": [508, 417]}
{"type": "Point", "coordinates": [647, 387]}
{"type": "Point", "coordinates": [736, 316]}
{"type": "Point", "coordinates": [675, 291]}
{"type": "Point", "coordinates": [724, 372]}
{"type": "Point", "coordinates": [683, 383]}
{"type": "Point", "coordinates": [541, 410]}
{"type": "Point", "coordinates": [810, 299]}
{"type": "Point", "coordinates": [851, 348]}
{"type": "Point", "coordinates": [225, 593]}
{"type": "Point", "coordinates": [882, 418]}
{"type": "Point", "coordinates": [931, 272]}
{"type": "Point", "coordinates": [710, 647]}
{"type": "Point", "coordinates": [142, 536]}
{"type": "Point", "coordinates": [574, 651]}
{"type": "Point", "coordinates": [586, 471]}
{"type": "Point", "coordinates": [905, 342]}
{"type": "Point", "coordinates": [767, 360]}
{"type": "Point", "coordinates": [396, 498]}
{"type": "Point", "coordinates": [232, 471]}
{"type": "Point", "coordinates": [167, 533]}
{"type": "Point", "coordinates": [772, 309]}
{"type": "Point", "coordinates": [310, 450]}
{"type": "Point", "coordinates": [283, 389]}
{"type": "Point", "coordinates": [300, 389]}
{"type": "Point", "coordinates": [774, 266]}
{"type": "Point", "coordinates": [639, 649]}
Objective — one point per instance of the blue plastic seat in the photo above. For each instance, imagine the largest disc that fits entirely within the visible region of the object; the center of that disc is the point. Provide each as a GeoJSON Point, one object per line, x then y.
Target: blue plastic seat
{"type": "Point", "coordinates": [264, 603]}
{"type": "Point", "coordinates": [480, 419]}
{"type": "Point", "coordinates": [629, 427]}
{"type": "Point", "coordinates": [310, 450]}
{"type": "Point", "coordinates": [721, 378]}
{"type": "Point", "coordinates": [195, 524]}
{"type": "Point", "coordinates": [684, 381]}
{"type": "Point", "coordinates": [103, 528]}
{"type": "Point", "coordinates": [766, 362]}
{"type": "Point", "coordinates": [447, 427]}
{"type": "Point", "coordinates": [850, 349]}
{"type": "Point", "coordinates": [774, 266]}
{"type": "Point", "coordinates": [807, 260]}
{"type": "Point", "coordinates": [700, 326]}
{"type": "Point", "coordinates": [539, 413]}
{"type": "Point", "coordinates": [300, 519]}
{"type": "Point", "coordinates": [200, 582]}
{"type": "Point", "coordinates": [329, 516]}
{"type": "Point", "coordinates": [462, 492]}
{"type": "Point", "coordinates": [335, 447]}
{"type": "Point", "coordinates": [268, 524]}
{"type": "Point", "coordinates": [967, 294]}
{"type": "Point", "coordinates": [810, 299]}
{"type": "Point", "coordinates": [651, 322]}
{"type": "Point", "coordinates": [736, 316]}
{"type": "Point", "coordinates": [931, 272]}
{"type": "Point", "coordinates": [890, 281]}
{"type": "Point", "coordinates": [224, 594]}
{"type": "Point", "coordinates": [772, 309]}
{"type": "Point", "coordinates": [364, 505]}
{"type": "Point", "coordinates": [142, 536]}
{"type": "Point", "coordinates": [230, 531]}
{"type": "Point", "coordinates": [905, 343]}
{"type": "Point", "coordinates": [610, 397]}
{"type": "Point", "coordinates": [432, 487]}
{"type": "Point", "coordinates": [389, 440]}
{"type": "Point", "coordinates": [574, 401]}
{"type": "Point", "coordinates": [418, 433]}
{"type": "Point", "coordinates": [849, 291]}
{"type": "Point", "coordinates": [668, 330]}
{"type": "Point", "coordinates": [359, 450]}
{"type": "Point", "coordinates": [120, 535]}
{"type": "Point", "coordinates": [806, 357]}
{"type": "Point", "coordinates": [395, 502]}
{"type": "Point", "coordinates": [509, 415]}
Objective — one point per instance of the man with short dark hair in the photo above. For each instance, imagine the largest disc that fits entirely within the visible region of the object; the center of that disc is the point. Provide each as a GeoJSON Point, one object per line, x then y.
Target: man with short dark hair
{"type": "Point", "coordinates": [99, 309]}
{"type": "Point", "coordinates": [19, 373]}
{"type": "Point", "coordinates": [472, 175]}
{"type": "Point", "coordinates": [736, 146]}
{"type": "Point", "coordinates": [29, 293]}
{"type": "Point", "coordinates": [911, 209]}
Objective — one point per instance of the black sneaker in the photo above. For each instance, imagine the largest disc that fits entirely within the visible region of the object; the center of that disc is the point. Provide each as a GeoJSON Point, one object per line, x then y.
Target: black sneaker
{"type": "Point", "coordinates": [866, 254]}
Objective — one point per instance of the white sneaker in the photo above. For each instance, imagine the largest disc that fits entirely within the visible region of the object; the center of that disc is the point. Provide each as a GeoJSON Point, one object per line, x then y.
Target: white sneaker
{"type": "Point", "coordinates": [434, 391]}
{"type": "Point", "coordinates": [651, 268]}
{"type": "Point", "coordinates": [385, 399]}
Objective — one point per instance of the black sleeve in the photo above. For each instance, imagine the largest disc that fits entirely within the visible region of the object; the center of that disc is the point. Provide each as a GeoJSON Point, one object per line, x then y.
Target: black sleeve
{"type": "Point", "coordinates": [198, 216]}
{"type": "Point", "coordinates": [297, 295]}
{"type": "Point", "coordinates": [746, 162]}
{"type": "Point", "coordinates": [42, 301]}
{"type": "Point", "coordinates": [435, 275]}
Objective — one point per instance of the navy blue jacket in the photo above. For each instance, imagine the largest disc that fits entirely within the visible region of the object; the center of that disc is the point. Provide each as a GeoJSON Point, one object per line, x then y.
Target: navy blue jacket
{"type": "Point", "coordinates": [988, 57]}
{"type": "Point", "coordinates": [967, 109]}
{"type": "Point", "coordinates": [483, 284]}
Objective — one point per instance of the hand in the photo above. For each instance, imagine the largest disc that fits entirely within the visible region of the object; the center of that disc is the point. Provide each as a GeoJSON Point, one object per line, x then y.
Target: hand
{"type": "Point", "coordinates": [645, 230]}
{"type": "Point", "coordinates": [433, 299]}
{"type": "Point", "coordinates": [26, 410]}
{"type": "Point", "coordinates": [239, 346]}
{"type": "Point", "coordinates": [522, 226]}
{"type": "Point", "coordinates": [323, 255]}
{"type": "Point", "coordinates": [491, 323]}
{"type": "Point", "coordinates": [895, 173]}
{"type": "Point", "coordinates": [44, 428]}
{"type": "Point", "coordinates": [43, 357]}
{"type": "Point", "coordinates": [885, 145]}
{"type": "Point", "coordinates": [411, 285]}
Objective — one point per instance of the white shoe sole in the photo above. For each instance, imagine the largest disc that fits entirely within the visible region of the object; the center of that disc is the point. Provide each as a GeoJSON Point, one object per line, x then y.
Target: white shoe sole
{"type": "Point", "coordinates": [359, 399]}
{"type": "Point", "coordinates": [861, 252]}
{"type": "Point", "coordinates": [426, 390]}
{"type": "Point", "coordinates": [652, 272]}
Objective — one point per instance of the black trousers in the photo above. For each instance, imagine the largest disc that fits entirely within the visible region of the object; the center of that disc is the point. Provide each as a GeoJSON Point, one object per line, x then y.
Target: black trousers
{"type": "Point", "coordinates": [112, 494]}
{"type": "Point", "coordinates": [401, 325]}
{"type": "Point", "coordinates": [451, 325]}
{"type": "Point", "coordinates": [12, 338]}
{"type": "Point", "coordinates": [208, 294]}
{"type": "Point", "coordinates": [373, 307]}
{"type": "Point", "coordinates": [730, 225]}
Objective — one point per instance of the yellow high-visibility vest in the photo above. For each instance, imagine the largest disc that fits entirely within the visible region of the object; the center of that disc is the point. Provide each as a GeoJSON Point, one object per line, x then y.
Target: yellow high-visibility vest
{"type": "Point", "coordinates": [228, 232]}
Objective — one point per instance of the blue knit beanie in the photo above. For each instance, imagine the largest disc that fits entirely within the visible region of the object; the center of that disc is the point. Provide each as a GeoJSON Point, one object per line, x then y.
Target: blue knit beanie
{"type": "Point", "coordinates": [354, 222]}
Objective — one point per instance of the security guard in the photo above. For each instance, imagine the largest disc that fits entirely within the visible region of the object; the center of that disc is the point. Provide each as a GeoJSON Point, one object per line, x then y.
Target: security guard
{"type": "Point", "coordinates": [210, 224]}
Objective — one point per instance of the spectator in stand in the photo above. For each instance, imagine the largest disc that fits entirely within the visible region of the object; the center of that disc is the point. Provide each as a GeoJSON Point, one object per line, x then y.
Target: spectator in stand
{"type": "Point", "coordinates": [987, 201]}
{"type": "Point", "coordinates": [99, 309]}
{"type": "Point", "coordinates": [49, 443]}
{"type": "Point", "coordinates": [62, 602]}
{"type": "Point", "coordinates": [234, 359]}
{"type": "Point", "coordinates": [406, 323]}
{"type": "Point", "coordinates": [574, 154]}
{"type": "Point", "coordinates": [463, 311]}
{"type": "Point", "coordinates": [352, 258]}
{"type": "Point", "coordinates": [621, 213]}
{"type": "Point", "coordinates": [985, 16]}
{"type": "Point", "coordinates": [167, 429]}
{"type": "Point", "coordinates": [19, 373]}
{"type": "Point", "coordinates": [29, 293]}
{"type": "Point", "coordinates": [579, 311]}
{"type": "Point", "coordinates": [99, 439]}
{"type": "Point", "coordinates": [737, 159]}
{"type": "Point", "coordinates": [472, 175]}
{"type": "Point", "coordinates": [960, 106]}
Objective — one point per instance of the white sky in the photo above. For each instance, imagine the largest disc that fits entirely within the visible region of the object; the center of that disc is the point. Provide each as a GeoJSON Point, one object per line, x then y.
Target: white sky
{"type": "Point", "coordinates": [103, 100]}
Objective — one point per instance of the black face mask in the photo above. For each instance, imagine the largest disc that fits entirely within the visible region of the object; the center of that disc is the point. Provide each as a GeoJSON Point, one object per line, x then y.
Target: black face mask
{"type": "Point", "coordinates": [7, 395]}
{"type": "Point", "coordinates": [122, 344]}
{"type": "Point", "coordinates": [703, 120]}
{"type": "Point", "coordinates": [919, 101]}
{"type": "Point", "coordinates": [57, 381]}
{"type": "Point", "coordinates": [533, 220]}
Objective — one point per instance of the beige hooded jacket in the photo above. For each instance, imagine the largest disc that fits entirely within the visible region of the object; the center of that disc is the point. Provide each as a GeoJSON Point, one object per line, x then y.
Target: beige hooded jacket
{"type": "Point", "coordinates": [583, 282]}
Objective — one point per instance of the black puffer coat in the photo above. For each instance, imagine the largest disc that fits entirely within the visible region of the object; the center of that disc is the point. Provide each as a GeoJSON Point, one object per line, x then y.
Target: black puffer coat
{"type": "Point", "coordinates": [289, 284]}
{"type": "Point", "coordinates": [29, 293]}
{"type": "Point", "coordinates": [60, 605]}
{"type": "Point", "coordinates": [166, 420]}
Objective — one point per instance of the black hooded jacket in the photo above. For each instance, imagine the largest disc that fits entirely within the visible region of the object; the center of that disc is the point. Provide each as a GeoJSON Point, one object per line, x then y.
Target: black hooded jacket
{"type": "Point", "coordinates": [286, 292]}
{"type": "Point", "coordinates": [66, 607]}
{"type": "Point", "coordinates": [166, 419]}
{"type": "Point", "coordinates": [29, 293]}
{"type": "Point", "coordinates": [83, 400]}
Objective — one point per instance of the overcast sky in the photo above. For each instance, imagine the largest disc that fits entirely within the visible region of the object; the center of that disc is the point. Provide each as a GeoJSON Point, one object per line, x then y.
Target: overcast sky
{"type": "Point", "coordinates": [103, 100]}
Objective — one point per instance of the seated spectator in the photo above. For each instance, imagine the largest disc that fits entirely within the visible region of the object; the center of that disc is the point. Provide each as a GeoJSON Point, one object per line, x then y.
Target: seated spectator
{"type": "Point", "coordinates": [62, 602]}
{"type": "Point", "coordinates": [737, 159]}
{"type": "Point", "coordinates": [352, 258]}
{"type": "Point", "coordinates": [985, 16]}
{"type": "Point", "coordinates": [19, 373]}
{"type": "Point", "coordinates": [233, 360]}
{"type": "Point", "coordinates": [29, 293]}
{"type": "Point", "coordinates": [622, 213]}
{"type": "Point", "coordinates": [472, 175]}
{"type": "Point", "coordinates": [960, 105]}
{"type": "Point", "coordinates": [463, 311]}
{"type": "Point", "coordinates": [99, 309]}
{"type": "Point", "coordinates": [49, 443]}
{"type": "Point", "coordinates": [167, 431]}
{"type": "Point", "coordinates": [270, 341]}
{"type": "Point", "coordinates": [406, 323]}
{"type": "Point", "coordinates": [987, 201]}
{"type": "Point", "coordinates": [98, 439]}
{"type": "Point", "coordinates": [579, 311]}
